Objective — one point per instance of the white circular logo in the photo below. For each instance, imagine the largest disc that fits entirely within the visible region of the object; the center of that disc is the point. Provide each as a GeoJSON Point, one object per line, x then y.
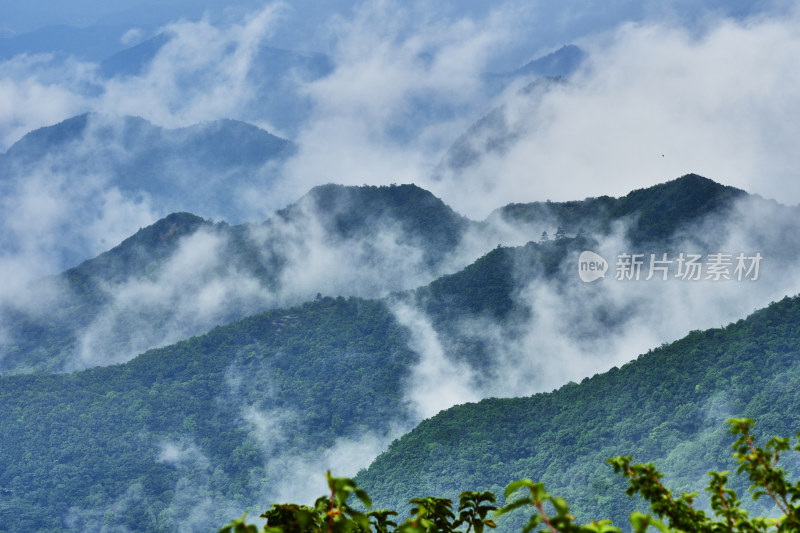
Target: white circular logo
{"type": "Point", "coordinates": [591, 266]}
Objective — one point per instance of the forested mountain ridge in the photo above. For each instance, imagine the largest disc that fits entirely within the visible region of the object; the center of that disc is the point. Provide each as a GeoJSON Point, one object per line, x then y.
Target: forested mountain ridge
{"type": "Point", "coordinates": [203, 312]}
{"type": "Point", "coordinates": [43, 339]}
{"type": "Point", "coordinates": [393, 238]}
{"type": "Point", "coordinates": [354, 212]}
{"type": "Point", "coordinates": [659, 212]}
{"type": "Point", "coordinates": [512, 292]}
{"type": "Point", "coordinates": [668, 406]}
{"type": "Point", "coordinates": [221, 417]}
{"type": "Point", "coordinates": [213, 414]}
{"type": "Point", "coordinates": [142, 251]}
{"type": "Point", "coordinates": [135, 292]}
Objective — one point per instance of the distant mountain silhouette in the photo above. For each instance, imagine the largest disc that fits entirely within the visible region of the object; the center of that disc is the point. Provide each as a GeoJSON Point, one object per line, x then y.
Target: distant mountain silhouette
{"type": "Point", "coordinates": [199, 168]}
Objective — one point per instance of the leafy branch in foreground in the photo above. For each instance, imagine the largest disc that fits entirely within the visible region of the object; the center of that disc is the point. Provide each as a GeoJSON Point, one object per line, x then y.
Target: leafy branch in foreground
{"type": "Point", "coordinates": [332, 513]}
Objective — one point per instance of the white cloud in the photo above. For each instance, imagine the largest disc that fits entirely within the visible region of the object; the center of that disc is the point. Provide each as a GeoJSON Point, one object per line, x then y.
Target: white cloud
{"type": "Point", "coordinates": [715, 97]}
{"type": "Point", "coordinates": [36, 91]}
{"type": "Point", "coordinates": [193, 291]}
{"type": "Point", "coordinates": [404, 85]}
{"type": "Point", "coordinates": [718, 99]}
{"type": "Point", "coordinates": [199, 74]}
{"type": "Point", "coordinates": [575, 330]}
{"type": "Point", "coordinates": [710, 94]}
{"type": "Point", "coordinates": [318, 260]}
{"type": "Point", "coordinates": [201, 283]}
{"type": "Point", "coordinates": [655, 102]}
{"type": "Point", "coordinates": [181, 453]}
{"type": "Point", "coordinates": [301, 478]}
{"type": "Point", "coordinates": [132, 37]}
{"type": "Point", "coordinates": [437, 381]}
{"type": "Point", "coordinates": [45, 220]}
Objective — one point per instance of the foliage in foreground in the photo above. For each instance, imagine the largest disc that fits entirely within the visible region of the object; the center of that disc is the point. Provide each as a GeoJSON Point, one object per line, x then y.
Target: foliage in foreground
{"type": "Point", "coordinates": [332, 513]}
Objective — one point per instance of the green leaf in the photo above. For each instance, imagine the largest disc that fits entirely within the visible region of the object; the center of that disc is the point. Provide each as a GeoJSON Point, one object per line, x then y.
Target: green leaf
{"type": "Point", "coordinates": [516, 485]}
{"type": "Point", "coordinates": [562, 508]}
{"type": "Point", "coordinates": [641, 522]}
{"type": "Point", "coordinates": [532, 523]}
{"type": "Point", "coordinates": [513, 505]}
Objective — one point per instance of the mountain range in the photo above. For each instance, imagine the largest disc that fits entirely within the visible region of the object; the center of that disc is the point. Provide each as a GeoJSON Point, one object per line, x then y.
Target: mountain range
{"type": "Point", "coordinates": [183, 275]}
{"type": "Point", "coordinates": [203, 311]}
{"type": "Point", "coordinates": [306, 365]}
{"type": "Point", "coordinates": [108, 171]}
{"type": "Point", "coordinates": [150, 289]}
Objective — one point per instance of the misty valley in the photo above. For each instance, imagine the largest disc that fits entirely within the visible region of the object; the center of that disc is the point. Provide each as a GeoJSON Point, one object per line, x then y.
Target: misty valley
{"type": "Point", "coordinates": [386, 253]}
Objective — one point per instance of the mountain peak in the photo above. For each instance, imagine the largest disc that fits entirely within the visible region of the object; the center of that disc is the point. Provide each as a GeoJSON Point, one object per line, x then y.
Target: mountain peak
{"type": "Point", "coordinates": [561, 62]}
{"type": "Point", "coordinates": [663, 208]}
{"type": "Point", "coordinates": [164, 231]}
{"type": "Point", "coordinates": [201, 168]}
{"type": "Point", "coordinates": [390, 195]}
{"type": "Point", "coordinates": [154, 241]}
{"type": "Point", "coordinates": [692, 184]}
{"type": "Point", "coordinates": [657, 212]}
{"type": "Point", "coordinates": [35, 144]}
{"type": "Point", "coordinates": [52, 135]}
{"type": "Point", "coordinates": [226, 134]}
{"type": "Point", "coordinates": [350, 211]}
{"type": "Point", "coordinates": [394, 199]}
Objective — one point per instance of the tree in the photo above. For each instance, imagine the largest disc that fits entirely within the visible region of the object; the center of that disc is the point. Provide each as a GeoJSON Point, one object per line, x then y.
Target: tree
{"type": "Point", "coordinates": [332, 513]}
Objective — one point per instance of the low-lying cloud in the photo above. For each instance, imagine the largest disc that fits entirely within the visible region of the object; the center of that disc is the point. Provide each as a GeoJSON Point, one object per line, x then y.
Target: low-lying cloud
{"type": "Point", "coordinates": [218, 274]}
{"type": "Point", "coordinates": [46, 223]}
{"type": "Point", "coordinates": [652, 102]}
{"type": "Point", "coordinates": [574, 330]}
{"type": "Point", "coordinates": [194, 291]}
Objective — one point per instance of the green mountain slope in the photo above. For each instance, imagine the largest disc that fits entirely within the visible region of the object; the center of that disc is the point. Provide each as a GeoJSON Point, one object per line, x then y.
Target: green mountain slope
{"type": "Point", "coordinates": [668, 406]}
{"type": "Point", "coordinates": [75, 445]}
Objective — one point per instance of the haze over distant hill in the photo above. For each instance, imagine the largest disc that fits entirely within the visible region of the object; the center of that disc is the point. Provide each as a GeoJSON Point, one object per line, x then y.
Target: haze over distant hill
{"type": "Point", "coordinates": [275, 76]}
{"type": "Point", "coordinates": [191, 166]}
{"type": "Point", "coordinates": [105, 174]}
